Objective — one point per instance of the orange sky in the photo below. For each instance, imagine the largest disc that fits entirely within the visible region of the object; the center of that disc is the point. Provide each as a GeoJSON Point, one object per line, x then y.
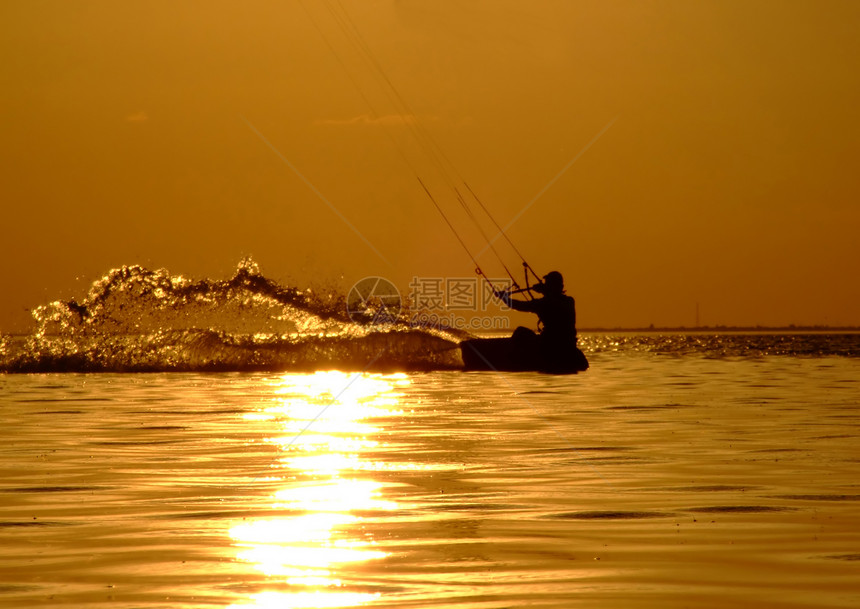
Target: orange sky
{"type": "Point", "coordinates": [729, 177]}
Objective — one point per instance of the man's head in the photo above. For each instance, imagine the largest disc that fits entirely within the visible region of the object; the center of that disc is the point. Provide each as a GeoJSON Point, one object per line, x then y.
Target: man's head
{"type": "Point", "coordinates": [553, 283]}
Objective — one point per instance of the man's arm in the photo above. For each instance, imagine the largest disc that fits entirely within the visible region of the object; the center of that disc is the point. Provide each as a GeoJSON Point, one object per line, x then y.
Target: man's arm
{"type": "Point", "coordinates": [518, 305]}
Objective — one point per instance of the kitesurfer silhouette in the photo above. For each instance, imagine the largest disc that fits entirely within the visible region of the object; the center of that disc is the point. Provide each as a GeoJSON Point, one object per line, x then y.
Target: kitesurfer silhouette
{"type": "Point", "coordinates": [556, 311]}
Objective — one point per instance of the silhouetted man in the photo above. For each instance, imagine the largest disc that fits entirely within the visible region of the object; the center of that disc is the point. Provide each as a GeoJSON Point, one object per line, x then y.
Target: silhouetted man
{"type": "Point", "coordinates": [556, 343]}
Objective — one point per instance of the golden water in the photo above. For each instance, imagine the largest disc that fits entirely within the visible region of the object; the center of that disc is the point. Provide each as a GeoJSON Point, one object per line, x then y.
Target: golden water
{"type": "Point", "coordinates": [649, 481]}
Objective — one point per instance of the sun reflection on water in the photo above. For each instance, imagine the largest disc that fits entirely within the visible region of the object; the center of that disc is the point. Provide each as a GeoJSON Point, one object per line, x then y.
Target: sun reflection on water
{"type": "Point", "coordinates": [322, 423]}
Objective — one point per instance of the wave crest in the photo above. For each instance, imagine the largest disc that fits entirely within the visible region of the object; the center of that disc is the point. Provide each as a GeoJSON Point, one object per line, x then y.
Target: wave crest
{"type": "Point", "coordinates": [136, 319]}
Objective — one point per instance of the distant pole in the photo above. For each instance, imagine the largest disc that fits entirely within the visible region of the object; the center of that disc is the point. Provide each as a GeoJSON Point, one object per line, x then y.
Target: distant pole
{"type": "Point", "coordinates": [697, 314]}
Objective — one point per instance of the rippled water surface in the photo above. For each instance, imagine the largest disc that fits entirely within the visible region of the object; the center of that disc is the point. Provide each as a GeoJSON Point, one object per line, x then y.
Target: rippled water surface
{"type": "Point", "coordinates": [649, 481]}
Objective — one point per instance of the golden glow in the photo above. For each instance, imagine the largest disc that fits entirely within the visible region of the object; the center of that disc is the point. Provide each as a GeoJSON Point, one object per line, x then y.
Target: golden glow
{"type": "Point", "coordinates": [336, 496]}
{"type": "Point", "coordinates": [320, 535]}
{"type": "Point", "coordinates": [308, 600]}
